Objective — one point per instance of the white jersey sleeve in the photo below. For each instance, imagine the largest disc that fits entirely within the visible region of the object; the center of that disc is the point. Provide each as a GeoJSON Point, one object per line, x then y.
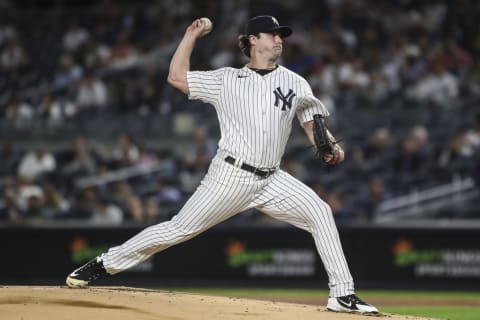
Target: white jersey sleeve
{"type": "Point", "coordinates": [309, 105]}
{"type": "Point", "coordinates": [205, 85]}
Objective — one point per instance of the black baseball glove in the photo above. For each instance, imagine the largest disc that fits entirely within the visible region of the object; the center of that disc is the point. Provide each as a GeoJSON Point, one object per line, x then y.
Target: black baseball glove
{"type": "Point", "coordinates": [327, 150]}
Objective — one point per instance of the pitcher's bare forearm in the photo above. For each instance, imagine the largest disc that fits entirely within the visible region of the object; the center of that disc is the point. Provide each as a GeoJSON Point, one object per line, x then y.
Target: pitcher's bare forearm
{"type": "Point", "coordinates": [180, 63]}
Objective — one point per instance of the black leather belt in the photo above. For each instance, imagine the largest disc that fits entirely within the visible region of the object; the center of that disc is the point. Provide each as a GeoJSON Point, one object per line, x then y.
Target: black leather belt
{"type": "Point", "coordinates": [264, 173]}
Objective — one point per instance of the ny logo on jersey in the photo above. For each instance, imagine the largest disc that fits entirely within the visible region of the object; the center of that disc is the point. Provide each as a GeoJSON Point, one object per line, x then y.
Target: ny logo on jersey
{"type": "Point", "coordinates": [286, 99]}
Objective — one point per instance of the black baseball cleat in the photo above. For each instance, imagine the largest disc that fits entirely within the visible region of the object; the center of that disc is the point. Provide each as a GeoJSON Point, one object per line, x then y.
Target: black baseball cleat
{"type": "Point", "coordinates": [350, 303]}
{"type": "Point", "coordinates": [92, 270]}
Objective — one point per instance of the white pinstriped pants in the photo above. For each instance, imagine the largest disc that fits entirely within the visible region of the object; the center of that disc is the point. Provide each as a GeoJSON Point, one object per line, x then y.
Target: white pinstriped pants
{"type": "Point", "coordinates": [227, 190]}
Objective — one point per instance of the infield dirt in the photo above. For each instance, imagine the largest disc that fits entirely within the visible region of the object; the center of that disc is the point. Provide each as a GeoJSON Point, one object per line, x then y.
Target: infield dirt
{"type": "Point", "coordinates": [118, 303]}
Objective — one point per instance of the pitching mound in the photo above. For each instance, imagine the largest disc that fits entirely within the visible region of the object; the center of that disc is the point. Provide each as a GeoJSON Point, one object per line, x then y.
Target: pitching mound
{"type": "Point", "coordinates": [60, 303]}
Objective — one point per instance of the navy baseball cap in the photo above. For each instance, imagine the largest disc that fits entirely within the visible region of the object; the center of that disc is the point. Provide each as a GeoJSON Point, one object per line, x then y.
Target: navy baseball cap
{"type": "Point", "coordinates": [266, 24]}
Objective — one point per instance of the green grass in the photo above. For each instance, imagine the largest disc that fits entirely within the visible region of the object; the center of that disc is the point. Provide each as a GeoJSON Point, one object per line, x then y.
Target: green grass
{"type": "Point", "coordinates": [440, 312]}
{"type": "Point", "coordinates": [452, 312]}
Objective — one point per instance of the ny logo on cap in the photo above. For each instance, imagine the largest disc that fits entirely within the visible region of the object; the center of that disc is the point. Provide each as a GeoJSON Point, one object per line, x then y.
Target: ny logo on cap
{"type": "Point", "coordinates": [275, 21]}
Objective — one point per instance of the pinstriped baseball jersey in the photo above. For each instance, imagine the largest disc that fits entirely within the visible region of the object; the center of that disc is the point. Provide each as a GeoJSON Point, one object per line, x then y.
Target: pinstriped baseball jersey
{"type": "Point", "coordinates": [255, 112]}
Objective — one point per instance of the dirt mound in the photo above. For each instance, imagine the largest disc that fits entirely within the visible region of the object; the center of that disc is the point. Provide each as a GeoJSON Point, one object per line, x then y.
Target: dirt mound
{"type": "Point", "coordinates": [60, 303]}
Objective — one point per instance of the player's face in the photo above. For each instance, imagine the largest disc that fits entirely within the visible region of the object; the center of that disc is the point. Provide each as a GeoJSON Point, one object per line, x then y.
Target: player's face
{"type": "Point", "coordinates": [270, 45]}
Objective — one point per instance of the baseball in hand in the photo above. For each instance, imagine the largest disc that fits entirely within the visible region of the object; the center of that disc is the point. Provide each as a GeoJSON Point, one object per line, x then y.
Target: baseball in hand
{"type": "Point", "coordinates": [328, 157]}
{"type": "Point", "coordinates": [207, 24]}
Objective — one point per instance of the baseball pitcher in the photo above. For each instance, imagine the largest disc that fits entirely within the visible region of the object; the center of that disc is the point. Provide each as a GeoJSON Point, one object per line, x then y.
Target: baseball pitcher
{"type": "Point", "coordinates": [255, 105]}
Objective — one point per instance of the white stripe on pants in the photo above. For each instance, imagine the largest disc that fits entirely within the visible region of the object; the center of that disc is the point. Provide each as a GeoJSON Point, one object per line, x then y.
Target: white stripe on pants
{"type": "Point", "coordinates": [227, 190]}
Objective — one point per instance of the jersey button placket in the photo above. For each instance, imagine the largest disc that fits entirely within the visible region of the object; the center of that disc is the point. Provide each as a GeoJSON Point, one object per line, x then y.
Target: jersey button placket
{"type": "Point", "coordinates": [264, 100]}
{"type": "Point", "coordinates": [264, 104]}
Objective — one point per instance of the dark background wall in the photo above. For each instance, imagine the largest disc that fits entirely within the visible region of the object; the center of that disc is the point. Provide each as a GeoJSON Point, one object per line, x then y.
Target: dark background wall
{"type": "Point", "coordinates": [268, 256]}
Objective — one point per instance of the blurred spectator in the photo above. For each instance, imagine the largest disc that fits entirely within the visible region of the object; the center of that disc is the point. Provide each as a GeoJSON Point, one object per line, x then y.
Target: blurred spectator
{"type": "Point", "coordinates": [202, 144]}
{"type": "Point", "coordinates": [19, 113]}
{"type": "Point", "coordinates": [437, 86]}
{"type": "Point", "coordinates": [106, 213]}
{"type": "Point", "coordinates": [147, 159]}
{"type": "Point", "coordinates": [412, 65]}
{"type": "Point", "coordinates": [150, 99]}
{"type": "Point", "coordinates": [82, 206]}
{"type": "Point", "coordinates": [126, 152]}
{"type": "Point", "coordinates": [97, 54]}
{"type": "Point", "coordinates": [54, 111]}
{"type": "Point", "coordinates": [329, 103]}
{"type": "Point", "coordinates": [197, 160]}
{"type": "Point", "coordinates": [35, 163]}
{"type": "Point", "coordinates": [10, 157]}
{"type": "Point", "coordinates": [147, 212]}
{"type": "Point", "coordinates": [377, 193]}
{"type": "Point", "coordinates": [351, 75]}
{"type": "Point", "coordinates": [123, 54]}
{"type": "Point", "coordinates": [473, 135]}
{"type": "Point", "coordinates": [83, 163]}
{"type": "Point", "coordinates": [167, 161]}
{"type": "Point", "coordinates": [380, 143]}
{"type": "Point", "coordinates": [194, 172]}
{"type": "Point", "coordinates": [472, 77]}
{"type": "Point", "coordinates": [390, 73]}
{"type": "Point", "coordinates": [74, 37]}
{"type": "Point", "coordinates": [167, 193]}
{"type": "Point", "coordinates": [412, 159]}
{"type": "Point", "coordinates": [9, 211]}
{"type": "Point", "coordinates": [129, 95]}
{"type": "Point", "coordinates": [8, 32]}
{"type": "Point", "coordinates": [67, 74]}
{"type": "Point", "coordinates": [122, 192]}
{"type": "Point", "coordinates": [34, 209]}
{"type": "Point", "coordinates": [378, 87]}
{"type": "Point", "coordinates": [153, 214]}
{"type": "Point", "coordinates": [452, 56]}
{"type": "Point", "coordinates": [13, 57]}
{"type": "Point", "coordinates": [458, 153]}
{"type": "Point", "coordinates": [25, 191]}
{"type": "Point", "coordinates": [299, 60]}
{"type": "Point", "coordinates": [91, 93]}
{"type": "Point", "coordinates": [324, 78]}
{"type": "Point", "coordinates": [378, 151]}
{"type": "Point", "coordinates": [358, 163]}
{"type": "Point", "coordinates": [224, 55]}
{"type": "Point", "coordinates": [54, 203]}
{"type": "Point", "coordinates": [134, 210]}
{"type": "Point", "coordinates": [339, 209]}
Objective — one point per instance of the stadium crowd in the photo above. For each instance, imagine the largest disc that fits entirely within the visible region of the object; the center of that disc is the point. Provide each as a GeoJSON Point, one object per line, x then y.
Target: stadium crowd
{"type": "Point", "coordinates": [91, 130]}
